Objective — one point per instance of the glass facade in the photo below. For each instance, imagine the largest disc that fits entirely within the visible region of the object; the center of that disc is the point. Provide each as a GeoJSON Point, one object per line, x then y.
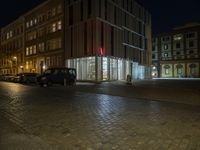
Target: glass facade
{"type": "Point", "coordinates": [105, 68]}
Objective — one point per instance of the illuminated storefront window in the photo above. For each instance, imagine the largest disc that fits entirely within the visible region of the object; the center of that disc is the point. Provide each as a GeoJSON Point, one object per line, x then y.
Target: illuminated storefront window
{"type": "Point", "coordinates": [105, 68]}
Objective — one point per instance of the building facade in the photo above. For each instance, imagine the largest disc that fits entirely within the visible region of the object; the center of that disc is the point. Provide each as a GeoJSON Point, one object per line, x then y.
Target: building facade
{"type": "Point", "coordinates": [12, 46]}
{"type": "Point", "coordinates": [102, 39]}
{"type": "Point", "coordinates": [107, 39]}
{"type": "Point", "coordinates": [177, 54]}
{"type": "Point", "coordinates": [44, 36]}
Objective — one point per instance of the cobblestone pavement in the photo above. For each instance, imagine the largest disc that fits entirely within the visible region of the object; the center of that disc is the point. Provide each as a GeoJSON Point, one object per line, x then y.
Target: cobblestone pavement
{"type": "Point", "coordinates": [57, 118]}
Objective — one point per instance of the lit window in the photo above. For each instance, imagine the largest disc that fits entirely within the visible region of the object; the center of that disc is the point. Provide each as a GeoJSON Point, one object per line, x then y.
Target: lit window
{"type": "Point", "coordinates": [31, 50]}
{"type": "Point", "coordinates": [31, 23]}
{"type": "Point", "coordinates": [177, 37]}
{"type": "Point", "coordinates": [54, 27]}
{"type": "Point", "coordinates": [34, 49]}
{"type": "Point", "coordinates": [59, 25]}
{"type": "Point", "coordinates": [27, 51]}
{"type": "Point", "coordinates": [35, 21]}
{"type": "Point", "coordinates": [27, 24]}
{"type": "Point", "coordinates": [165, 46]}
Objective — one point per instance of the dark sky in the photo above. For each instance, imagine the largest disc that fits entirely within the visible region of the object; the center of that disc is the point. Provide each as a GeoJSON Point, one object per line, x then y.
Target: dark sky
{"type": "Point", "coordinates": [169, 13]}
{"type": "Point", "coordinates": [165, 13]}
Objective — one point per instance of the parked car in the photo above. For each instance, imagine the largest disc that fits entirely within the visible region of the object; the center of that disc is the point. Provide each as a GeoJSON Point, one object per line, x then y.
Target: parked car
{"type": "Point", "coordinates": [57, 76]}
{"type": "Point", "coordinates": [8, 77]}
{"type": "Point", "coordinates": [26, 78]}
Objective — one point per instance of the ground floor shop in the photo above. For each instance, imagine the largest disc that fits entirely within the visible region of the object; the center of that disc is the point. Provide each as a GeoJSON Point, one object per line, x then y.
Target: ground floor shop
{"type": "Point", "coordinates": [98, 68]}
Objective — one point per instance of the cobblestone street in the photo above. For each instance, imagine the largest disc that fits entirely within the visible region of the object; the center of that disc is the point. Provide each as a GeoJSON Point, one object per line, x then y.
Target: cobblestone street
{"type": "Point", "coordinates": [97, 117]}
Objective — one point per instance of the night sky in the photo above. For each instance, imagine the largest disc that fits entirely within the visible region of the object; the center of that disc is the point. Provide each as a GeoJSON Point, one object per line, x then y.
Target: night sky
{"type": "Point", "coordinates": [165, 13]}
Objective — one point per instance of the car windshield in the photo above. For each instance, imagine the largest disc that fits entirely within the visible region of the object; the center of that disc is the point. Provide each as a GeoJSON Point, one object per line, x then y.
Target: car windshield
{"type": "Point", "coordinates": [48, 72]}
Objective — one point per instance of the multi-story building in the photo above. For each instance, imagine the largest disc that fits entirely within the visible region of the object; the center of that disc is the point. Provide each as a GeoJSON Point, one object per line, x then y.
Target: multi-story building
{"type": "Point", "coordinates": [108, 39]}
{"type": "Point", "coordinates": [44, 36]}
{"type": "Point", "coordinates": [102, 39]}
{"type": "Point", "coordinates": [177, 54]}
{"type": "Point", "coordinates": [12, 46]}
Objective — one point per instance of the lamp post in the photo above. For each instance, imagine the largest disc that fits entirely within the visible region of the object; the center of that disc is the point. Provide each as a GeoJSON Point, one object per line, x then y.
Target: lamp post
{"type": "Point", "coordinates": [22, 68]}
{"type": "Point", "coordinates": [15, 60]}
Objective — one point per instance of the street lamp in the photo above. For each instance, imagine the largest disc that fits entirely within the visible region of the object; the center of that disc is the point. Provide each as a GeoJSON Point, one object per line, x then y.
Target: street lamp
{"type": "Point", "coordinates": [22, 67]}
{"type": "Point", "coordinates": [16, 65]}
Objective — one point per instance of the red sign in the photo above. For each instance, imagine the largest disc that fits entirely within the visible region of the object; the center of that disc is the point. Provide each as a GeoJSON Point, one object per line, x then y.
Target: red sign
{"type": "Point", "coordinates": [101, 51]}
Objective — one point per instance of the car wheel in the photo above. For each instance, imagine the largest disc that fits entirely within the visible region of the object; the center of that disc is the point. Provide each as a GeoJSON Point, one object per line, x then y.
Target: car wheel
{"type": "Point", "coordinates": [45, 85]}
{"type": "Point", "coordinates": [49, 83]}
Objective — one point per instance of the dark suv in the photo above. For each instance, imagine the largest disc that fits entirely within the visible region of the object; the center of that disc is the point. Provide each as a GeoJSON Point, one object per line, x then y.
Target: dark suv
{"type": "Point", "coordinates": [58, 76]}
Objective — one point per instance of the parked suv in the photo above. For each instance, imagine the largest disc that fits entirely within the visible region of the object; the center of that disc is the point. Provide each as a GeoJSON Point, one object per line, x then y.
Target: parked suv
{"type": "Point", "coordinates": [58, 76]}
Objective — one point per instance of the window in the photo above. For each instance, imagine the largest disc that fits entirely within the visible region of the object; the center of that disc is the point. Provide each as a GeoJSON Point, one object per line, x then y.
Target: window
{"type": "Point", "coordinates": [179, 70]}
{"type": "Point", "coordinates": [59, 9]}
{"type": "Point", "coordinates": [178, 45]}
{"type": "Point", "coordinates": [165, 46]}
{"type": "Point", "coordinates": [34, 49]}
{"type": "Point", "coordinates": [54, 27]}
{"type": "Point", "coordinates": [71, 15]}
{"type": "Point", "coordinates": [178, 37]}
{"type": "Point", "coordinates": [41, 47]}
{"type": "Point", "coordinates": [27, 24]}
{"type": "Point", "coordinates": [191, 52]}
{"type": "Point", "coordinates": [54, 44]}
{"type": "Point", "coordinates": [53, 11]}
{"type": "Point", "coordinates": [166, 68]}
{"type": "Point", "coordinates": [165, 39]}
{"type": "Point", "coordinates": [27, 51]}
{"type": "Point", "coordinates": [166, 71]}
{"type": "Point", "coordinates": [89, 8]}
{"type": "Point", "coordinates": [59, 25]}
{"type": "Point", "coordinates": [177, 53]}
{"type": "Point", "coordinates": [190, 35]}
{"type": "Point", "coordinates": [191, 43]}
{"type": "Point", "coordinates": [165, 54]}
{"type": "Point", "coordinates": [31, 50]}
{"type": "Point", "coordinates": [153, 56]}
{"type": "Point", "coordinates": [31, 23]}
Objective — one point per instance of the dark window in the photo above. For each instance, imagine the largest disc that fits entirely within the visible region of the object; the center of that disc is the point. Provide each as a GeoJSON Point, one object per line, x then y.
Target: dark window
{"type": "Point", "coordinates": [71, 42]}
{"type": "Point", "coordinates": [81, 10]}
{"type": "Point", "coordinates": [191, 44]}
{"type": "Point", "coordinates": [153, 56]}
{"type": "Point", "coordinates": [106, 9]}
{"type": "Point", "coordinates": [140, 27]}
{"type": "Point", "coordinates": [100, 8]}
{"type": "Point", "coordinates": [70, 15]}
{"type": "Point", "coordinates": [102, 34]}
{"type": "Point", "coordinates": [85, 39]}
{"type": "Point", "coordinates": [89, 8]}
{"type": "Point", "coordinates": [178, 45]}
{"type": "Point", "coordinates": [177, 53]}
{"type": "Point", "coordinates": [115, 15]}
{"type": "Point", "coordinates": [153, 48]}
{"type": "Point", "coordinates": [112, 41]}
{"type": "Point", "coordinates": [191, 52]}
{"type": "Point", "coordinates": [125, 51]}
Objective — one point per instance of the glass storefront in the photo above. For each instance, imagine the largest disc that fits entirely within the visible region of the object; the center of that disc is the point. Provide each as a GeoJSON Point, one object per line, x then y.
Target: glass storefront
{"type": "Point", "coordinates": [105, 68]}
